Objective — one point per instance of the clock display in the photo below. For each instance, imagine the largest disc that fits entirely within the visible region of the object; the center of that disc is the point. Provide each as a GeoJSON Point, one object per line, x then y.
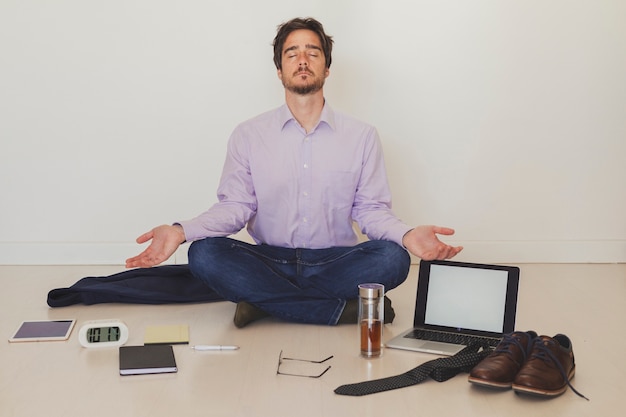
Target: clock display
{"type": "Point", "coordinates": [103, 334]}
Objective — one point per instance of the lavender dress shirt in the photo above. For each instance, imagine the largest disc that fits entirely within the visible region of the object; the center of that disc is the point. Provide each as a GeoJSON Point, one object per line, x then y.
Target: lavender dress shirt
{"type": "Point", "coordinates": [299, 190]}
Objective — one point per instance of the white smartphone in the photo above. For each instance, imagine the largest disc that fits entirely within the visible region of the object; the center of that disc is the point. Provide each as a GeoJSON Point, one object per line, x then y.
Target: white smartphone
{"type": "Point", "coordinates": [43, 330]}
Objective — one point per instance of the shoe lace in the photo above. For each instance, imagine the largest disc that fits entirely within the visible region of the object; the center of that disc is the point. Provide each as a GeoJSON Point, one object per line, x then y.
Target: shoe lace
{"type": "Point", "coordinates": [543, 352]}
{"type": "Point", "coordinates": [508, 340]}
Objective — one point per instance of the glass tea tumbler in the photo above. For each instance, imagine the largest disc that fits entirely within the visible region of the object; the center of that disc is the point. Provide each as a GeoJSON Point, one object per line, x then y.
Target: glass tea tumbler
{"type": "Point", "coordinates": [371, 319]}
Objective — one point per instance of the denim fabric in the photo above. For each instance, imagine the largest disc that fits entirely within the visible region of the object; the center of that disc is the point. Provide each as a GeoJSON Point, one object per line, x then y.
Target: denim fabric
{"type": "Point", "coordinates": [298, 285]}
{"type": "Point", "coordinates": [159, 285]}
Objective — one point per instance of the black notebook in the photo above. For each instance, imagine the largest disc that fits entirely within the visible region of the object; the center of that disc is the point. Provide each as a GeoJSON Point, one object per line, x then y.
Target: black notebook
{"type": "Point", "coordinates": [148, 359]}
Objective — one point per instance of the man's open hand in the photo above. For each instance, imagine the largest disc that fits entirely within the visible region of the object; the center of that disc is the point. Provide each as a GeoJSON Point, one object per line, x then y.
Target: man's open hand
{"type": "Point", "coordinates": [165, 240]}
{"type": "Point", "coordinates": [423, 242]}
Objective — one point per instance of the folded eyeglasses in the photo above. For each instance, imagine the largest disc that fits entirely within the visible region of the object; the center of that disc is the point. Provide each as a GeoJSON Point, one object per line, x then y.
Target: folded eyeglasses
{"type": "Point", "coordinates": [282, 359]}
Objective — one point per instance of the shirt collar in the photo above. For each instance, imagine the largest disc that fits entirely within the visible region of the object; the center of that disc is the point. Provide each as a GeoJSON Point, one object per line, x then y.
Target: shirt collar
{"type": "Point", "coordinates": [327, 116]}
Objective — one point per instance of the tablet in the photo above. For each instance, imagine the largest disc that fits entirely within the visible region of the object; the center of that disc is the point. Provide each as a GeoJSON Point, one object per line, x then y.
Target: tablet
{"type": "Point", "coordinates": [43, 330]}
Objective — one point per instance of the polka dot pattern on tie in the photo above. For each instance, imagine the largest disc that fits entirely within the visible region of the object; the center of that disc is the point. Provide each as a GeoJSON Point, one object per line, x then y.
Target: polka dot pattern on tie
{"type": "Point", "coordinates": [440, 370]}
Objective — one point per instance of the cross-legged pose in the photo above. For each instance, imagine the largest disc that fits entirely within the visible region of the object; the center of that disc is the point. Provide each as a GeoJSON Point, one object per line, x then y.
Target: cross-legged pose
{"type": "Point", "coordinates": [298, 177]}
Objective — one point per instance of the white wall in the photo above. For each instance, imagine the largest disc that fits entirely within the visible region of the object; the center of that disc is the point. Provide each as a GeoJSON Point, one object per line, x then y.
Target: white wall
{"type": "Point", "coordinates": [503, 119]}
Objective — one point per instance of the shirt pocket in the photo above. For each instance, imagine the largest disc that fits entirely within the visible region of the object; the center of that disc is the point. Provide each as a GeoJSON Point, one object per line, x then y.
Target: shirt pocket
{"type": "Point", "coordinates": [337, 190]}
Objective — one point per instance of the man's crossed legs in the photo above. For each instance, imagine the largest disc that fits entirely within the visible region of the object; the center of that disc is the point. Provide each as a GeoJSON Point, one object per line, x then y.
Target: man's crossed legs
{"type": "Point", "coordinates": [297, 285]}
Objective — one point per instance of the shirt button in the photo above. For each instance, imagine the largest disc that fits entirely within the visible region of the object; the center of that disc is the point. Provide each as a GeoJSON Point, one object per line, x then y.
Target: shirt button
{"type": "Point", "coordinates": [306, 194]}
{"type": "Point", "coordinates": [306, 166]}
{"type": "Point", "coordinates": [305, 220]}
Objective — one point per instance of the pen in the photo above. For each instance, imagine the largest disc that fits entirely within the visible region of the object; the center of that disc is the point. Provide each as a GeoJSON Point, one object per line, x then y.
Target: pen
{"type": "Point", "coordinates": [214, 347]}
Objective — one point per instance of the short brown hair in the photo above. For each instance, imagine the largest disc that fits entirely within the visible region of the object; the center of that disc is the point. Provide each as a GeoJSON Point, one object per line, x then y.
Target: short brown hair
{"type": "Point", "coordinates": [296, 24]}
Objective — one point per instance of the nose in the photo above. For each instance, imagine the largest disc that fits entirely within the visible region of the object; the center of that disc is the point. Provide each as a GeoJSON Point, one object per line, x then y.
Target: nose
{"type": "Point", "coordinates": [303, 59]}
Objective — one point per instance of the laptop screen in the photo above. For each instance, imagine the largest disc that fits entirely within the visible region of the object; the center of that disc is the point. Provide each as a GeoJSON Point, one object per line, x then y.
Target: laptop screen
{"type": "Point", "coordinates": [461, 296]}
{"type": "Point", "coordinates": [466, 298]}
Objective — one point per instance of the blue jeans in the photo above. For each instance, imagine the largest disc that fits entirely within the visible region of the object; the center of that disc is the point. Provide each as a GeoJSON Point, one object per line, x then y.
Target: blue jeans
{"type": "Point", "coordinates": [297, 285]}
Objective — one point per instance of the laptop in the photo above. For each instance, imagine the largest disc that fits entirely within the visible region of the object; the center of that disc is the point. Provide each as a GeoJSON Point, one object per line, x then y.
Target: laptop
{"type": "Point", "coordinates": [458, 303]}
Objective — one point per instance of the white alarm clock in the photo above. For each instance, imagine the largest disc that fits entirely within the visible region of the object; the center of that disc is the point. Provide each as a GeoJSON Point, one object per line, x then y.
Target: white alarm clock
{"type": "Point", "coordinates": [103, 333]}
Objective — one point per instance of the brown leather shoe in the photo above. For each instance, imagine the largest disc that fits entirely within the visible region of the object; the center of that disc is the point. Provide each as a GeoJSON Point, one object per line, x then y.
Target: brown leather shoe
{"type": "Point", "coordinates": [246, 313]}
{"type": "Point", "coordinates": [498, 370]}
{"type": "Point", "coordinates": [549, 369]}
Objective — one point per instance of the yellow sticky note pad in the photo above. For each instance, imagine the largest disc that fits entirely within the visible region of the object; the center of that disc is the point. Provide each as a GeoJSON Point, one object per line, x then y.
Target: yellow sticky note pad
{"type": "Point", "coordinates": [177, 334]}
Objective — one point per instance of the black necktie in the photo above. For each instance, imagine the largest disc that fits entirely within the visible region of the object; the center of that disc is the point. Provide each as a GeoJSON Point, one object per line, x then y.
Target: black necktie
{"type": "Point", "coordinates": [440, 370]}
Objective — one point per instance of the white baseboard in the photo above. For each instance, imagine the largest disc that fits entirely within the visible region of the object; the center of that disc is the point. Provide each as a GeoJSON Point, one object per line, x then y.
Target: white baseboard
{"type": "Point", "coordinates": [54, 253]}
{"type": "Point", "coordinates": [513, 252]}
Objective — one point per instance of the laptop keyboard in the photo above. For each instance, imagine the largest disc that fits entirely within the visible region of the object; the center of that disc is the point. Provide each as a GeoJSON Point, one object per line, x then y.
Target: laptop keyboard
{"type": "Point", "coordinates": [457, 339]}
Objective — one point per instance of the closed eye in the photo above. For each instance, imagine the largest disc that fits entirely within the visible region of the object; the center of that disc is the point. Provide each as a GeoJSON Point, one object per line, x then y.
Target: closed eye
{"type": "Point", "coordinates": [313, 51]}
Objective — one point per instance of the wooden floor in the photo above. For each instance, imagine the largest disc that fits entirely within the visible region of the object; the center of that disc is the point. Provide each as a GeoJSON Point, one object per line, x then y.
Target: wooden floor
{"type": "Point", "coordinates": [585, 302]}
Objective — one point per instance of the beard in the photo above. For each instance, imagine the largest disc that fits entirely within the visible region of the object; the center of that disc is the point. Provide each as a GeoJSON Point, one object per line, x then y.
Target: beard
{"type": "Point", "coordinates": [313, 85]}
